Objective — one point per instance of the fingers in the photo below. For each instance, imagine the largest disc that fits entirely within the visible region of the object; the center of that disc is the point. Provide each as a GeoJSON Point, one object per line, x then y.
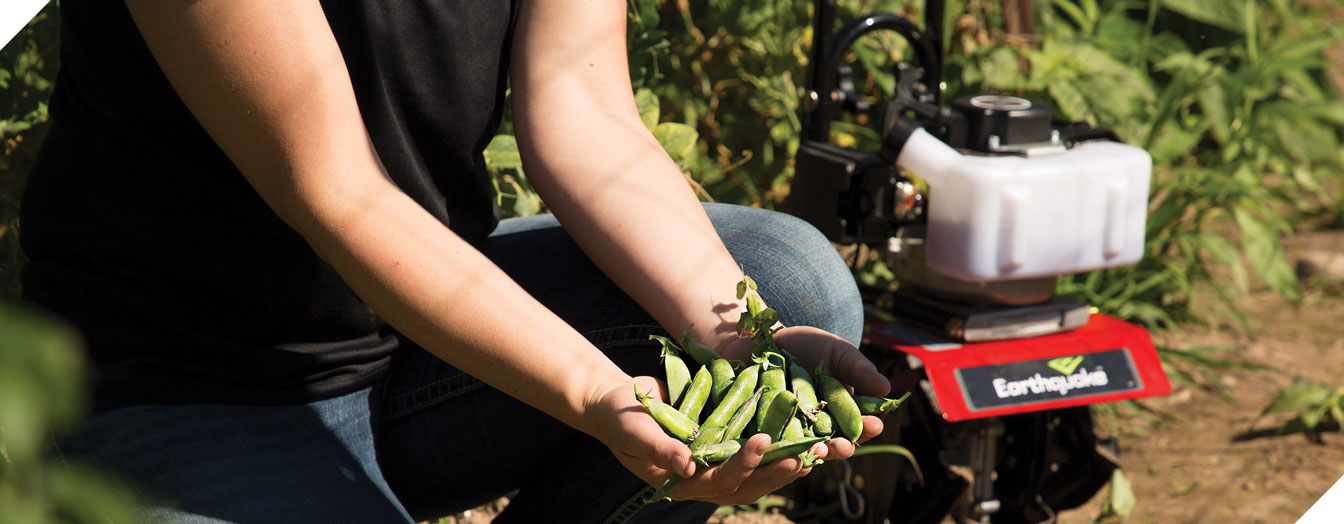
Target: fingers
{"type": "Point", "coordinates": [843, 360]}
{"type": "Point", "coordinates": [742, 479]}
{"type": "Point", "coordinates": [652, 444]}
{"type": "Point", "coordinates": [851, 367]}
{"type": "Point", "coordinates": [872, 427]}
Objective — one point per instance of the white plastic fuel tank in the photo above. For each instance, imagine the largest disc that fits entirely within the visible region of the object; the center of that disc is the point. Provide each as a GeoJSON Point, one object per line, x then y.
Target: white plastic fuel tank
{"type": "Point", "coordinates": [1010, 217]}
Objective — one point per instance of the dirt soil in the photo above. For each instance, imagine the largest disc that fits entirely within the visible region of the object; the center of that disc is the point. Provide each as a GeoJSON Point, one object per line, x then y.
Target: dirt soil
{"type": "Point", "coordinates": [1203, 454]}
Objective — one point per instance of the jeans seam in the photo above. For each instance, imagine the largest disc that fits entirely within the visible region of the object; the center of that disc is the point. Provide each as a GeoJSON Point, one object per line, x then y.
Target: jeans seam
{"type": "Point", "coordinates": [621, 335]}
{"type": "Point", "coordinates": [630, 507]}
{"type": "Point", "coordinates": [427, 395]}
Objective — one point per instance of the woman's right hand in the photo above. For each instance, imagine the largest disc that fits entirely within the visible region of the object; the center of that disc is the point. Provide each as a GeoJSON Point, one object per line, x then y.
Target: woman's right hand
{"type": "Point", "coordinates": [617, 419]}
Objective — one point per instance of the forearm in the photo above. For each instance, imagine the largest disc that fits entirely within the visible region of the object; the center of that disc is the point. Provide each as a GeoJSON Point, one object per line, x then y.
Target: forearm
{"type": "Point", "coordinates": [267, 81]}
{"type": "Point", "coordinates": [452, 300]}
{"type": "Point", "coordinates": [608, 180]}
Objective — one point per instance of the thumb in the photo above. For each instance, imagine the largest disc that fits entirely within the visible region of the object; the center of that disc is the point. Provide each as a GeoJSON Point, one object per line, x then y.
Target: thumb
{"type": "Point", "coordinates": [670, 454]}
{"type": "Point", "coordinates": [650, 443]}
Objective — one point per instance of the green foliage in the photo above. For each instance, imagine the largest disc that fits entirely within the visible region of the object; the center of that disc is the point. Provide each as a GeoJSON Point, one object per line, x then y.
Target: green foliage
{"type": "Point", "coordinates": [42, 377]}
{"type": "Point", "coordinates": [27, 68]}
{"type": "Point", "coordinates": [1119, 501]}
{"type": "Point", "coordinates": [1316, 407]}
{"type": "Point", "coordinates": [1202, 366]}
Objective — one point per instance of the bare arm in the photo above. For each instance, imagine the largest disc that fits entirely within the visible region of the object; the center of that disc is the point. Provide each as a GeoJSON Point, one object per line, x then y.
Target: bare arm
{"type": "Point", "coordinates": [604, 175]}
{"type": "Point", "coordinates": [625, 202]}
{"type": "Point", "coordinates": [268, 82]}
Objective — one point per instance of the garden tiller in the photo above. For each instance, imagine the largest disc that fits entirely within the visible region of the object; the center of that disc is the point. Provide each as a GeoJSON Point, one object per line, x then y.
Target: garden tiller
{"type": "Point", "coordinates": [977, 206]}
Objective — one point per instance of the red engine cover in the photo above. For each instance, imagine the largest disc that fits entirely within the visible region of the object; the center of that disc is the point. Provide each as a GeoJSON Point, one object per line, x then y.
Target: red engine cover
{"type": "Point", "coordinates": [1105, 360]}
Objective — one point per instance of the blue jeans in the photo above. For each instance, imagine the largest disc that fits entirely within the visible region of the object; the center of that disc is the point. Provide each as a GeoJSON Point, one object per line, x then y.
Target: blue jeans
{"type": "Point", "coordinates": [429, 440]}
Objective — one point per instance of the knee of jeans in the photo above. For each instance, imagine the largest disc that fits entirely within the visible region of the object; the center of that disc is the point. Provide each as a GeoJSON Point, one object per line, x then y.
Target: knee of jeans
{"type": "Point", "coordinates": [799, 271]}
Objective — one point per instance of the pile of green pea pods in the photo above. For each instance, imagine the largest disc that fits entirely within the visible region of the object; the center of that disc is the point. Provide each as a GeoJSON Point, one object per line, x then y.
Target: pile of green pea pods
{"type": "Point", "coordinates": [714, 410]}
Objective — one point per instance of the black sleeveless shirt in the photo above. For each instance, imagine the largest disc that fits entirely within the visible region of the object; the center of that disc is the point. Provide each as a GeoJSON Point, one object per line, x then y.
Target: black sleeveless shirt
{"type": "Point", "coordinates": [186, 285]}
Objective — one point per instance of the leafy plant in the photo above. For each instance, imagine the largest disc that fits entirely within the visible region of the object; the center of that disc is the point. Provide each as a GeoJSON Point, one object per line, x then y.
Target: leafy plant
{"type": "Point", "coordinates": [27, 66]}
{"type": "Point", "coordinates": [42, 377]}
{"type": "Point", "coordinates": [1316, 408]}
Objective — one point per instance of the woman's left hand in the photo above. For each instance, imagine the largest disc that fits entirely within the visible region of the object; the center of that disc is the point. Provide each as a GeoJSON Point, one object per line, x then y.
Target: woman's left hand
{"type": "Point", "coordinates": [843, 361]}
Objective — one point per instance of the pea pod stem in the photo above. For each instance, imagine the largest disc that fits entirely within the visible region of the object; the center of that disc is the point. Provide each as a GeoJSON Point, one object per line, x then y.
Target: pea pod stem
{"type": "Point", "coordinates": [700, 352]}
{"type": "Point", "coordinates": [661, 493]}
{"type": "Point", "coordinates": [878, 406]}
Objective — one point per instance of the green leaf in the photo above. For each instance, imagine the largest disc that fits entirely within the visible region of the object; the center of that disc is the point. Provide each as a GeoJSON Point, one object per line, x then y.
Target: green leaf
{"type": "Point", "coordinates": [1120, 499]}
{"type": "Point", "coordinates": [502, 153]}
{"type": "Point", "coordinates": [647, 102]}
{"type": "Point", "coordinates": [1227, 255]}
{"type": "Point", "coordinates": [1213, 102]}
{"type": "Point", "coordinates": [1298, 396]}
{"type": "Point", "coordinates": [646, 14]}
{"type": "Point", "coordinates": [1261, 244]}
{"type": "Point", "coordinates": [677, 139]}
{"type": "Point", "coordinates": [1001, 69]}
{"type": "Point", "coordinates": [1226, 14]}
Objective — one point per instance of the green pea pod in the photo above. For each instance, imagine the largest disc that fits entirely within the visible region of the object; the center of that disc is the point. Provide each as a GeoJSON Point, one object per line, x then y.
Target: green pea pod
{"type": "Point", "coordinates": [722, 372]}
{"type": "Point", "coordinates": [744, 415]}
{"type": "Point", "coordinates": [822, 426]}
{"type": "Point", "coordinates": [789, 448]}
{"type": "Point", "coordinates": [801, 385]}
{"type": "Point", "coordinates": [672, 421]}
{"type": "Point", "coordinates": [697, 394]}
{"type": "Point", "coordinates": [708, 436]}
{"type": "Point", "coordinates": [840, 404]}
{"type": "Point", "coordinates": [716, 453]}
{"type": "Point", "coordinates": [793, 430]}
{"type": "Point", "coordinates": [763, 406]}
{"type": "Point", "coordinates": [773, 378]}
{"type": "Point", "coordinates": [700, 352]}
{"type": "Point", "coordinates": [661, 494]}
{"type": "Point", "coordinates": [772, 382]}
{"type": "Point", "coordinates": [877, 406]}
{"type": "Point", "coordinates": [778, 414]}
{"type": "Point", "coordinates": [678, 375]}
{"type": "Point", "coordinates": [742, 389]}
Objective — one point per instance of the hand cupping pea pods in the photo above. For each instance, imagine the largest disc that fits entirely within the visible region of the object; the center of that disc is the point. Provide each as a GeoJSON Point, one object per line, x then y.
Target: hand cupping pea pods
{"type": "Point", "coordinates": [774, 394]}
